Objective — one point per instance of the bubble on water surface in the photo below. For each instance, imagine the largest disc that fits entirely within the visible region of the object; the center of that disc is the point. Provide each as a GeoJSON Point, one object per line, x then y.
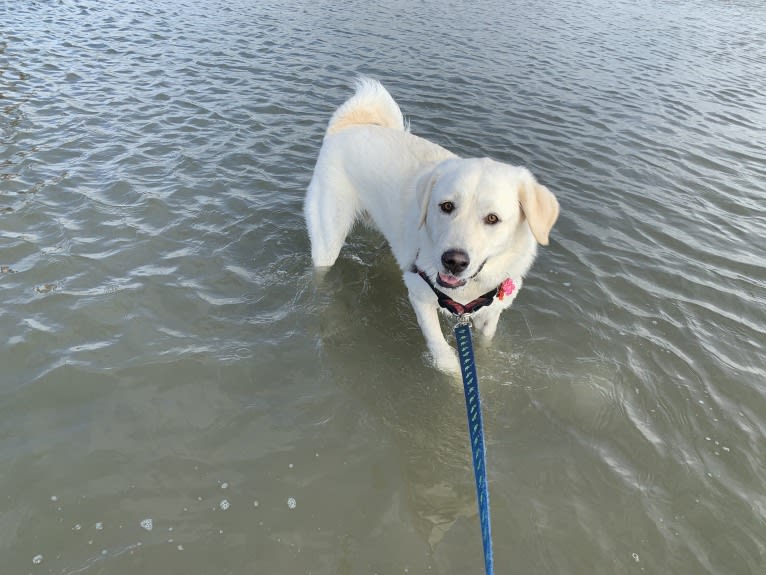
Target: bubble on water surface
{"type": "Point", "coordinates": [224, 504]}
{"type": "Point", "coordinates": [99, 526]}
{"type": "Point", "coordinates": [224, 485]}
{"type": "Point", "coordinates": [291, 503]}
{"type": "Point", "coordinates": [147, 524]}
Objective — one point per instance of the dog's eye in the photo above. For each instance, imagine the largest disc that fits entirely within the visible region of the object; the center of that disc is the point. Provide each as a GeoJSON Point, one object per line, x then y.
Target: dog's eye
{"type": "Point", "coordinates": [447, 207]}
{"type": "Point", "coordinates": [491, 219]}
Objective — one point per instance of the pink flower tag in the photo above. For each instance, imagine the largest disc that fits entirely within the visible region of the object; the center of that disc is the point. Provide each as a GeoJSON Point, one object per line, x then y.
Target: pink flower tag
{"type": "Point", "coordinates": [506, 288]}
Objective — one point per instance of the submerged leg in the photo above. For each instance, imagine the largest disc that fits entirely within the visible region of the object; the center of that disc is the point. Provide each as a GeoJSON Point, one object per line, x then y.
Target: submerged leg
{"type": "Point", "coordinates": [424, 303]}
{"type": "Point", "coordinates": [329, 214]}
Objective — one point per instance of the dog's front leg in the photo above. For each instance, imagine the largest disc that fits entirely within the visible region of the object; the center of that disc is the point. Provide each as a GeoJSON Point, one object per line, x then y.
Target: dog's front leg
{"type": "Point", "coordinates": [424, 303]}
{"type": "Point", "coordinates": [486, 322]}
{"type": "Point", "coordinates": [487, 318]}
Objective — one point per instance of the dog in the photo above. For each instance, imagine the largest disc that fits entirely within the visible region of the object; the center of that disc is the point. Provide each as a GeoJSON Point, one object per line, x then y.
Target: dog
{"type": "Point", "coordinates": [464, 231]}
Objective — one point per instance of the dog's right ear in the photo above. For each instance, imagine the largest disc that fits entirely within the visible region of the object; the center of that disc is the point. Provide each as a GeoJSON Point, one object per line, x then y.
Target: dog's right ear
{"type": "Point", "coordinates": [423, 188]}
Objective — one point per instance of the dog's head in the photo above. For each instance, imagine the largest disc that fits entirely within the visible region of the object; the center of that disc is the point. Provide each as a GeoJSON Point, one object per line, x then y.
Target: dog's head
{"type": "Point", "coordinates": [477, 213]}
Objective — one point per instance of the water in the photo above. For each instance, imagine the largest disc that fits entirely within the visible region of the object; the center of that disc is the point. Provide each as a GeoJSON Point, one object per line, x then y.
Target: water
{"type": "Point", "coordinates": [177, 394]}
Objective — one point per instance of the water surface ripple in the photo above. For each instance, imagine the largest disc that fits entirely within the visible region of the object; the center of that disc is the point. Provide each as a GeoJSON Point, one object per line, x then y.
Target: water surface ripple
{"type": "Point", "coordinates": [179, 394]}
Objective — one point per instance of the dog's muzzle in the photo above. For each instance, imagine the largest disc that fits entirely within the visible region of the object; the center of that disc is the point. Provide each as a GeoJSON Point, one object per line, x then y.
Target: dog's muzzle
{"type": "Point", "coordinates": [455, 261]}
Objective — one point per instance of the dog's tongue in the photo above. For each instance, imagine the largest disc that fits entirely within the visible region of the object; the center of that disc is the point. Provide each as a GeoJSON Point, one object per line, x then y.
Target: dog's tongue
{"type": "Point", "coordinates": [450, 280]}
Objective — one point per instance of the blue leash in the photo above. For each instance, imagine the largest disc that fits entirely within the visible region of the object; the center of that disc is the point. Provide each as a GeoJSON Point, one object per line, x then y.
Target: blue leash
{"type": "Point", "coordinates": [471, 387]}
{"type": "Point", "coordinates": [476, 432]}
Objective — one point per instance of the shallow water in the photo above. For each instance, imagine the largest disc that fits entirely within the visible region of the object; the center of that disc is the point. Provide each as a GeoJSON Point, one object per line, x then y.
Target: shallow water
{"type": "Point", "coordinates": [177, 393]}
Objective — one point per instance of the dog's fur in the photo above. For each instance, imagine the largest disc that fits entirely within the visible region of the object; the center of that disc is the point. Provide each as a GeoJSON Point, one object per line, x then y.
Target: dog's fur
{"type": "Point", "coordinates": [436, 210]}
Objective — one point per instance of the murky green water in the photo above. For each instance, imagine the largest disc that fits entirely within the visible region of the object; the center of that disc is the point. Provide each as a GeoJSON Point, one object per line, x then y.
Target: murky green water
{"type": "Point", "coordinates": [167, 356]}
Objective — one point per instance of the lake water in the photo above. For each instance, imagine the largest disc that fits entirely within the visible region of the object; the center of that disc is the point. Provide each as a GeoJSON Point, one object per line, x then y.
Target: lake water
{"type": "Point", "coordinates": [177, 393]}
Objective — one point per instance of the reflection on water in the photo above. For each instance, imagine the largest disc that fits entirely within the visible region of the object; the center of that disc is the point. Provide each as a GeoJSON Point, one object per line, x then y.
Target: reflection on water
{"type": "Point", "coordinates": [178, 393]}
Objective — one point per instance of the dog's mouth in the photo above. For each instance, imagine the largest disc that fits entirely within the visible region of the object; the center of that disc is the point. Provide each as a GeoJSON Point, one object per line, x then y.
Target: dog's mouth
{"type": "Point", "coordinates": [449, 281]}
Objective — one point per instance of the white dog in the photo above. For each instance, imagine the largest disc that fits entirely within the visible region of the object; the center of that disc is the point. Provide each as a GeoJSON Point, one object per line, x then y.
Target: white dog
{"type": "Point", "coordinates": [460, 229]}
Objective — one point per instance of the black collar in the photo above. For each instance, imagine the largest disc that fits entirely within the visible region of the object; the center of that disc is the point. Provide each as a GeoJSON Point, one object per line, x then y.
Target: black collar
{"type": "Point", "coordinates": [457, 308]}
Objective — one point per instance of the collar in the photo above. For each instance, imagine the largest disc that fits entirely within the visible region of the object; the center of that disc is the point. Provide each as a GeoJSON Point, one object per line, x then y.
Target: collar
{"type": "Point", "coordinates": [504, 289]}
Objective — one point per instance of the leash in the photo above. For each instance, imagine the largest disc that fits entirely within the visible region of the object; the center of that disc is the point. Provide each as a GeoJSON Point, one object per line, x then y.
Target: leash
{"type": "Point", "coordinates": [476, 433]}
{"type": "Point", "coordinates": [472, 399]}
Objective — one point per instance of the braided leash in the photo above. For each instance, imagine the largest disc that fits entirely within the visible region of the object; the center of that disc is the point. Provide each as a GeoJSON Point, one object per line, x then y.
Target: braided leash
{"type": "Point", "coordinates": [476, 432]}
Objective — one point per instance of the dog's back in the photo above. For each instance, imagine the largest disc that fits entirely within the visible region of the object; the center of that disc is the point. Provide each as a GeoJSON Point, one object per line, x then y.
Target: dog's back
{"type": "Point", "coordinates": [371, 104]}
{"type": "Point", "coordinates": [367, 164]}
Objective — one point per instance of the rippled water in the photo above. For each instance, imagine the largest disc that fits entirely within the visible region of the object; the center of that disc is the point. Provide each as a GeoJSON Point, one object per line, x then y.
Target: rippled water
{"type": "Point", "coordinates": [177, 395]}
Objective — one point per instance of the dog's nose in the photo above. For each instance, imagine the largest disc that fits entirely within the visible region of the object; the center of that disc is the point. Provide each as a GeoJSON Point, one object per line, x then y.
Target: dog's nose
{"type": "Point", "coordinates": [455, 261]}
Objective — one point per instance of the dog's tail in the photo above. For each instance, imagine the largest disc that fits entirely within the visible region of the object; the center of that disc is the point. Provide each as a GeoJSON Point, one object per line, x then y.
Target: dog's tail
{"type": "Point", "coordinates": [370, 105]}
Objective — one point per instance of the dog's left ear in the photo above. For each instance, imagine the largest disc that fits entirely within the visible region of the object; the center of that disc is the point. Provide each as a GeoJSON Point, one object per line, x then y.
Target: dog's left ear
{"type": "Point", "coordinates": [423, 189]}
{"type": "Point", "coordinates": [540, 207]}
